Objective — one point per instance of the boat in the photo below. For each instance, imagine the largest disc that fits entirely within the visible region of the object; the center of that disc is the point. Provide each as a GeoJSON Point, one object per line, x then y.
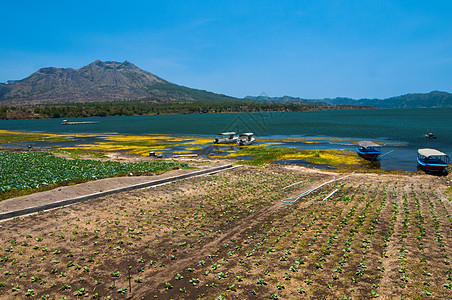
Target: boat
{"type": "Point", "coordinates": [432, 160]}
{"type": "Point", "coordinates": [430, 136]}
{"type": "Point", "coordinates": [368, 150]}
{"type": "Point", "coordinates": [66, 122]}
{"type": "Point", "coordinates": [226, 138]}
{"type": "Point", "coordinates": [248, 141]}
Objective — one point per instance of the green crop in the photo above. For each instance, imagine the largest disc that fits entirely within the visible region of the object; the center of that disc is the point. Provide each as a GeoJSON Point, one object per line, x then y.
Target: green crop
{"type": "Point", "coordinates": [20, 171]}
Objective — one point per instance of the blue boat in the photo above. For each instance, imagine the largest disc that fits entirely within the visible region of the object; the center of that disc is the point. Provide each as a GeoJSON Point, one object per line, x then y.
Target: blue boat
{"type": "Point", "coordinates": [432, 160]}
{"type": "Point", "coordinates": [368, 150]}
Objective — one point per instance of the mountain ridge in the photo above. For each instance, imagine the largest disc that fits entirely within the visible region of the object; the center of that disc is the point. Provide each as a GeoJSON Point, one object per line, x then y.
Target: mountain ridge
{"type": "Point", "coordinates": [98, 82]}
{"type": "Point", "coordinates": [107, 81]}
{"type": "Point", "coordinates": [412, 100]}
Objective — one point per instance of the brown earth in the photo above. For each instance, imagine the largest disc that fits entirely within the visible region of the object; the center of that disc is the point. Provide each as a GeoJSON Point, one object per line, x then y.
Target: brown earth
{"type": "Point", "coordinates": [229, 236]}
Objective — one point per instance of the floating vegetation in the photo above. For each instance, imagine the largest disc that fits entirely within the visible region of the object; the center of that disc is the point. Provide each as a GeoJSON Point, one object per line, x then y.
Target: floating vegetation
{"type": "Point", "coordinates": [7, 136]}
{"type": "Point", "coordinates": [327, 157]}
{"type": "Point", "coordinates": [264, 151]}
{"type": "Point", "coordinates": [264, 155]}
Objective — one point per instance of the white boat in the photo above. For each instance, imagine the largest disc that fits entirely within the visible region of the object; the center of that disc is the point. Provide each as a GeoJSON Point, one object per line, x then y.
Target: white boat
{"type": "Point", "coordinates": [432, 160]}
{"type": "Point", "coordinates": [226, 138]}
{"type": "Point", "coordinates": [248, 141]}
{"type": "Point", "coordinates": [66, 122]}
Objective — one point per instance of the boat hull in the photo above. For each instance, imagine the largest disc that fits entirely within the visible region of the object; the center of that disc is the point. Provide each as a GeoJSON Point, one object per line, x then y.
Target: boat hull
{"type": "Point", "coordinates": [245, 142]}
{"type": "Point", "coordinates": [225, 141]}
{"type": "Point", "coordinates": [369, 155]}
{"type": "Point", "coordinates": [435, 167]}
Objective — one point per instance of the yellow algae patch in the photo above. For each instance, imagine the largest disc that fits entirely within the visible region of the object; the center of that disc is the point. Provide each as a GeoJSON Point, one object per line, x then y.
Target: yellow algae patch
{"type": "Point", "coordinates": [235, 154]}
{"type": "Point", "coordinates": [8, 136]}
{"type": "Point", "coordinates": [199, 141]}
{"type": "Point", "coordinates": [150, 140]}
{"type": "Point", "coordinates": [332, 157]}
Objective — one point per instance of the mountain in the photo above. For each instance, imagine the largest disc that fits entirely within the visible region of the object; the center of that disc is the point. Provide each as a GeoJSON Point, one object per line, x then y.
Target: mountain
{"type": "Point", "coordinates": [286, 100]}
{"type": "Point", "coordinates": [432, 99]}
{"type": "Point", "coordinates": [98, 81]}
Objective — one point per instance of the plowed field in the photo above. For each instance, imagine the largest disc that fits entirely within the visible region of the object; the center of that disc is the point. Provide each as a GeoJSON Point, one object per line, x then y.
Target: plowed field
{"type": "Point", "coordinates": [229, 236]}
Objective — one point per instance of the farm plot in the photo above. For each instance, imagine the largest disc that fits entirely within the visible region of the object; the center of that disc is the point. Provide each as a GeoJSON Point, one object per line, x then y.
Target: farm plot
{"type": "Point", "coordinates": [31, 170]}
{"type": "Point", "coordinates": [229, 236]}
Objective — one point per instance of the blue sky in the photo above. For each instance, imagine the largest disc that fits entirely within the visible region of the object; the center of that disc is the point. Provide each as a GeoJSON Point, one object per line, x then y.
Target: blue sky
{"type": "Point", "coordinates": [309, 49]}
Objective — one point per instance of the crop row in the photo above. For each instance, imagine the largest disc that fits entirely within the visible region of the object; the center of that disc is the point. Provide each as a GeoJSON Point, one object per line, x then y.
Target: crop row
{"type": "Point", "coordinates": [229, 236]}
{"type": "Point", "coordinates": [33, 169]}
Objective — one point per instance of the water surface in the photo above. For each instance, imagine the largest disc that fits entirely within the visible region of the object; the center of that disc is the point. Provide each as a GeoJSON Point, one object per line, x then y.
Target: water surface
{"type": "Point", "coordinates": [401, 131]}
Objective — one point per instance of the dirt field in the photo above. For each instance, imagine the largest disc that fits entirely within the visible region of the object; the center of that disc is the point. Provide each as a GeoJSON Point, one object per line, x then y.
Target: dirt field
{"type": "Point", "coordinates": [229, 236]}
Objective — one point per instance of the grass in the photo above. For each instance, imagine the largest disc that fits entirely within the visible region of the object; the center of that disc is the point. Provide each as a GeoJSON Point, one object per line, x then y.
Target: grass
{"type": "Point", "coordinates": [21, 137]}
{"type": "Point", "coordinates": [263, 155]}
{"type": "Point", "coordinates": [76, 153]}
{"type": "Point", "coordinates": [108, 142]}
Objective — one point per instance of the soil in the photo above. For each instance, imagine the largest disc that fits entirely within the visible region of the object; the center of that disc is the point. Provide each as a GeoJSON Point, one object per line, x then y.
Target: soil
{"type": "Point", "coordinates": [92, 187]}
{"type": "Point", "coordinates": [229, 235]}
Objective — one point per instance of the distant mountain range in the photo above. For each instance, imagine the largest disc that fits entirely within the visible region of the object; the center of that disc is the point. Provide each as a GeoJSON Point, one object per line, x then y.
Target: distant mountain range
{"type": "Point", "coordinates": [97, 82]}
{"type": "Point", "coordinates": [116, 81]}
{"type": "Point", "coordinates": [432, 99]}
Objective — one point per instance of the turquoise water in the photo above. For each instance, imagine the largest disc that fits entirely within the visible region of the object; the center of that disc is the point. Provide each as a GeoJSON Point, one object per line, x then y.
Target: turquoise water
{"type": "Point", "coordinates": [404, 126]}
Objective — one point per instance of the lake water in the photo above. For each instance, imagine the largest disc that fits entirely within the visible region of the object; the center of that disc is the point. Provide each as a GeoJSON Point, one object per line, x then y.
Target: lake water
{"type": "Point", "coordinates": [401, 131]}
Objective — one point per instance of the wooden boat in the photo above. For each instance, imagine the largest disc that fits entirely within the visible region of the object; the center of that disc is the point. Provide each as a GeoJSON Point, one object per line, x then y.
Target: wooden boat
{"type": "Point", "coordinates": [368, 150]}
{"type": "Point", "coordinates": [432, 160]}
{"type": "Point", "coordinates": [248, 141]}
{"type": "Point", "coordinates": [226, 138]}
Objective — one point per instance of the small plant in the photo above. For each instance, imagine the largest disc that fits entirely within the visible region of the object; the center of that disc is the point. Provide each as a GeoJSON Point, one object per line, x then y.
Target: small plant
{"type": "Point", "coordinates": [194, 281]}
{"type": "Point", "coordinates": [80, 292]}
{"type": "Point", "coordinates": [65, 287]}
{"type": "Point", "coordinates": [115, 274]}
{"type": "Point", "coordinates": [168, 285]}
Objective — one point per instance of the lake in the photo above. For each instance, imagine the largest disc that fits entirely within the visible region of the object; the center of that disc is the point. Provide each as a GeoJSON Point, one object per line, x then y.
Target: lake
{"type": "Point", "coordinates": [401, 131]}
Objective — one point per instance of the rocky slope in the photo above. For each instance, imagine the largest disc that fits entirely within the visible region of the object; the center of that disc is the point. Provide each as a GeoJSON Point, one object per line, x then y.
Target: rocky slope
{"type": "Point", "coordinates": [98, 81]}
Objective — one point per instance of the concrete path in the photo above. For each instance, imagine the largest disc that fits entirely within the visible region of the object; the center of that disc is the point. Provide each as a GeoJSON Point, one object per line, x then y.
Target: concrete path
{"type": "Point", "coordinates": [66, 195]}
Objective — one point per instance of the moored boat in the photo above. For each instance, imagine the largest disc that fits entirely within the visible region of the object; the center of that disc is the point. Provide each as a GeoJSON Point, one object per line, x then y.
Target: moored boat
{"type": "Point", "coordinates": [368, 150]}
{"type": "Point", "coordinates": [432, 160]}
{"type": "Point", "coordinates": [226, 138]}
{"type": "Point", "coordinates": [248, 141]}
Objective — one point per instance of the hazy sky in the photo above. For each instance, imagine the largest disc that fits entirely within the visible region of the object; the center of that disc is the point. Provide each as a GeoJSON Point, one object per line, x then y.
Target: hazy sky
{"type": "Point", "coordinates": [309, 49]}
